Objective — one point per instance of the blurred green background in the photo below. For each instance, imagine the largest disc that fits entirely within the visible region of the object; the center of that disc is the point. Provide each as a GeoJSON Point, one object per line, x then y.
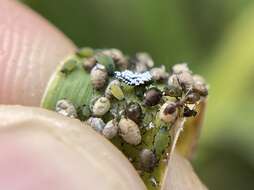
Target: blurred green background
{"type": "Point", "coordinates": [216, 38]}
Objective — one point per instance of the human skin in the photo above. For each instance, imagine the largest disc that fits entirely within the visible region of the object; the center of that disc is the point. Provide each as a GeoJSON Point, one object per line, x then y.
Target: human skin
{"type": "Point", "coordinates": [40, 149]}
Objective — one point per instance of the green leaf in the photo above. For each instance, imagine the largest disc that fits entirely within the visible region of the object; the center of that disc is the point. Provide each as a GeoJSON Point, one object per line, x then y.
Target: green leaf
{"type": "Point", "coordinates": [73, 85]}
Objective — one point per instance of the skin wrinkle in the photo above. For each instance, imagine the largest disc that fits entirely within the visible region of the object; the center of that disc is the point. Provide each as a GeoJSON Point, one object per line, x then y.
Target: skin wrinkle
{"type": "Point", "coordinates": [33, 56]}
{"type": "Point", "coordinates": [11, 58]}
{"type": "Point", "coordinates": [8, 62]}
{"type": "Point", "coordinates": [4, 34]}
{"type": "Point", "coordinates": [15, 69]}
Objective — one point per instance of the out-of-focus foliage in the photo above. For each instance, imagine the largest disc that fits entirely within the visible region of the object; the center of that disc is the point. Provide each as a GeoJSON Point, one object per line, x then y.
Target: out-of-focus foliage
{"type": "Point", "coordinates": [214, 36]}
{"type": "Point", "coordinates": [171, 30]}
{"type": "Point", "coordinates": [229, 127]}
{"type": "Point", "coordinates": [231, 80]}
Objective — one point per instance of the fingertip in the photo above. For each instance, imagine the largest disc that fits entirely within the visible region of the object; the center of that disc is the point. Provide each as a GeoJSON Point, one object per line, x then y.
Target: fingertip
{"type": "Point", "coordinates": [30, 49]}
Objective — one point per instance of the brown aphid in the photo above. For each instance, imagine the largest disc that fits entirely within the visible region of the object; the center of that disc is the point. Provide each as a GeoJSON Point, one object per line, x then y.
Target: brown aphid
{"type": "Point", "coordinates": [168, 112]}
{"type": "Point", "coordinates": [145, 58]}
{"type": "Point", "coordinates": [110, 130]}
{"type": "Point", "coordinates": [199, 85]}
{"type": "Point", "coordinates": [99, 76]}
{"type": "Point", "coordinates": [142, 62]}
{"type": "Point", "coordinates": [101, 106]}
{"type": "Point", "coordinates": [152, 97]}
{"type": "Point", "coordinates": [118, 58]}
{"type": "Point", "coordinates": [89, 63]}
{"type": "Point", "coordinates": [181, 67]}
{"type": "Point", "coordinates": [147, 160]}
{"type": "Point", "coordinates": [134, 112]}
{"type": "Point", "coordinates": [96, 123]}
{"type": "Point", "coordinates": [201, 89]}
{"type": "Point", "coordinates": [183, 79]}
{"type": "Point", "coordinates": [129, 131]}
{"type": "Point", "coordinates": [170, 108]}
{"type": "Point", "coordinates": [192, 98]}
{"type": "Point", "coordinates": [159, 73]}
{"type": "Point", "coordinates": [66, 108]}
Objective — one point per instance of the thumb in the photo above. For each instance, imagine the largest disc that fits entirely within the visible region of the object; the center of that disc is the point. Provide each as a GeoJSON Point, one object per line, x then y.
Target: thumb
{"type": "Point", "coordinates": [30, 49]}
{"type": "Point", "coordinates": [44, 150]}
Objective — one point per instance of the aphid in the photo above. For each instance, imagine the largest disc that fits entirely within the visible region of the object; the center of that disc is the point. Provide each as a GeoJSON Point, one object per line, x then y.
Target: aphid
{"type": "Point", "coordinates": [170, 108]}
{"type": "Point", "coordinates": [187, 112]}
{"type": "Point", "coordinates": [134, 112]}
{"type": "Point", "coordinates": [99, 76]}
{"type": "Point", "coordinates": [129, 131]}
{"type": "Point", "coordinates": [101, 106]}
{"type": "Point", "coordinates": [89, 63]}
{"type": "Point", "coordinates": [143, 62]}
{"type": "Point", "coordinates": [111, 129]}
{"type": "Point", "coordinates": [69, 66]}
{"type": "Point", "coordinates": [168, 112]}
{"type": "Point", "coordinates": [108, 92]}
{"type": "Point", "coordinates": [107, 61]}
{"type": "Point", "coordinates": [173, 91]}
{"type": "Point", "coordinates": [117, 92]}
{"type": "Point", "coordinates": [117, 111]}
{"type": "Point", "coordinates": [118, 58]}
{"type": "Point", "coordinates": [134, 79]}
{"type": "Point", "coordinates": [92, 102]}
{"type": "Point", "coordinates": [85, 52]}
{"type": "Point", "coordinates": [159, 73]}
{"type": "Point", "coordinates": [84, 112]}
{"type": "Point", "coordinates": [199, 85]}
{"type": "Point", "coordinates": [179, 68]}
{"type": "Point", "coordinates": [183, 79]}
{"type": "Point", "coordinates": [66, 108]}
{"type": "Point", "coordinates": [192, 98]}
{"type": "Point", "coordinates": [152, 97]}
{"type": "Point", "coordinates": [147, 160]}
{"type": "Point", "coordinates": [161, 141]}
{"type": "Point", "coordinates": [96, 123]}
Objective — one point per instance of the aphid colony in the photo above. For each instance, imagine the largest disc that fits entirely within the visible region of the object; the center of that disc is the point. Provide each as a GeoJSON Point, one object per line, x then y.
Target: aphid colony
{"type": "Point", "coordinates": [135, 104]}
